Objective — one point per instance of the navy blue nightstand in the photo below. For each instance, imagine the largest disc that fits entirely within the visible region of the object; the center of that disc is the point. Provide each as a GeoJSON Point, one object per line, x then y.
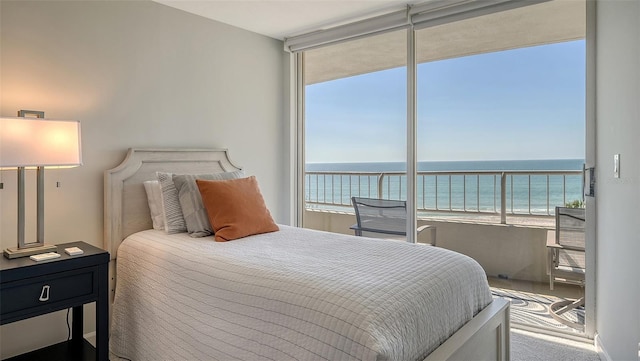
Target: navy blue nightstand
{"type": "Point", "coordinates": [29, 288]}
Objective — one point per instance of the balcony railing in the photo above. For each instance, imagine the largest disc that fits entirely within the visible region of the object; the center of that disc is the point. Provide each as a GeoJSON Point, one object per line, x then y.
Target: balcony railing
{"type": "Point", "coordinates": [533, 193]}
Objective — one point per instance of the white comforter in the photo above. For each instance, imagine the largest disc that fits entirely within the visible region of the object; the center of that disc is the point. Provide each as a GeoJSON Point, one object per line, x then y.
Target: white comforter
{"type": "Point", "coordinates": [295, 294]}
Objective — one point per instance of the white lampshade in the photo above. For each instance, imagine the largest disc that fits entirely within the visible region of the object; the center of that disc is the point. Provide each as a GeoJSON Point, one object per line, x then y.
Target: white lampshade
{"type": "Point", "coordinates": [32, 142]}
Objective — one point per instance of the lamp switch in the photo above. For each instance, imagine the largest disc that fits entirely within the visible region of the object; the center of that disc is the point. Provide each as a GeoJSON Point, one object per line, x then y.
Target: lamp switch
{"type": "Point", "coordinates": [616, 166]}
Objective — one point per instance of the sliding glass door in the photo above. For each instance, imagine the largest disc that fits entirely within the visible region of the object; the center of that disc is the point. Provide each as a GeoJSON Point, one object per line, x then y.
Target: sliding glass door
{"type": "Point", "coordinates": [503, 92]}
{"type": "Point", "coordinates": [501, 140]}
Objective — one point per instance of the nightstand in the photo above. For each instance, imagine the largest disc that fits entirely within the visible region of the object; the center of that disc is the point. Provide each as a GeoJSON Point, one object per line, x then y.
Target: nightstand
{"type": "Point", "coordinates": [29, 288]}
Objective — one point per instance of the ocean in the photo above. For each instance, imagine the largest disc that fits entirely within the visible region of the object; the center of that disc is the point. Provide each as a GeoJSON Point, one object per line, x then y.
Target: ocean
{"type": "Point", "coordinates": [535, 193]}
{"type": "Point", "coordinates": [498, 165]}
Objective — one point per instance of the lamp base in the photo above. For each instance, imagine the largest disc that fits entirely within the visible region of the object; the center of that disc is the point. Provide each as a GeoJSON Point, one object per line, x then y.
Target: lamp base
{"type": "Point", "coordinates": [24, 252]}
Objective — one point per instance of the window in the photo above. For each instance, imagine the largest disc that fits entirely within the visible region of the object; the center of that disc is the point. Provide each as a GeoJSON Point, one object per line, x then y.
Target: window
{"type": "Point", "coordinates": [355, 121]}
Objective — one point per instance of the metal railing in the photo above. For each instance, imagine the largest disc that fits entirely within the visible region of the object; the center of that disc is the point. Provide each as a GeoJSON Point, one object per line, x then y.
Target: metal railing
{"type": "Point", "coordinates": [486, 192]}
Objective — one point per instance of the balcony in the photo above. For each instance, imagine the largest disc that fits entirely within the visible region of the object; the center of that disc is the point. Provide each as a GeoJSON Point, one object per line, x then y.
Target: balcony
{"type": "Point", "coordinates": [501, 219]}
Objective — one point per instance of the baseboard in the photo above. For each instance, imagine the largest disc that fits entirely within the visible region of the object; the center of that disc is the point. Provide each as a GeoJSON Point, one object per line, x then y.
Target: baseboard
{"type": "Point", "coordinates": [600, 349]}
{"type": "Point", "coordinates": [91, 337]}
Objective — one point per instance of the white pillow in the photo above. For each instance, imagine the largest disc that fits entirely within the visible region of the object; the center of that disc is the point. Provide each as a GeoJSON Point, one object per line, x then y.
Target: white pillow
{"type": "Point", "coordinates": [154, 199]}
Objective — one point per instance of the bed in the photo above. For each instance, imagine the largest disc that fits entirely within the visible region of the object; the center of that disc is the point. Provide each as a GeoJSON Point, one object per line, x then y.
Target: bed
{"type": "Point", "coordinates": [293, 294]}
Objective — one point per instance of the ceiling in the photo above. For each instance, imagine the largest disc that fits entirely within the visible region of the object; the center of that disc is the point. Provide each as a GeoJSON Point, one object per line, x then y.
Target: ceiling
{"type": "Point", "coordinates": [284, 18]}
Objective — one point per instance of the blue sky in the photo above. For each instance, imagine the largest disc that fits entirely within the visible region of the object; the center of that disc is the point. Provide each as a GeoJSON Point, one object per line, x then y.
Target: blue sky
{"type": "Point", "coordinates": [525, 103]}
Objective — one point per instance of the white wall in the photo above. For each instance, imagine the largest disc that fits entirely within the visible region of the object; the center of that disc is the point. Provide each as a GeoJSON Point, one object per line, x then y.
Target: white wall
{"type": "Point", "coordinates": [618, 200]}
{"type": "Point", "coordinates": [136, 74]}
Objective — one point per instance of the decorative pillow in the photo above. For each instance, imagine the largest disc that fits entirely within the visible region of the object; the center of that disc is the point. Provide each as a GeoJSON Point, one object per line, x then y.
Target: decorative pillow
{"type": "Point", "coordinates": [236, 208]}
{"type": "Point", "coordinates": [171, 211]}
{"type": "Point", "coordinates": [193, 211]}
{"type": "Point", "coordinates": [154, 199]}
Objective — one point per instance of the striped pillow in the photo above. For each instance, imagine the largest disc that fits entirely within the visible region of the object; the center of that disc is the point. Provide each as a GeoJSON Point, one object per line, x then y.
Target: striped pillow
{"type": "Point", "coordinates": [172, 212]}
{"type": "Point", "coordinates": [193, 211]}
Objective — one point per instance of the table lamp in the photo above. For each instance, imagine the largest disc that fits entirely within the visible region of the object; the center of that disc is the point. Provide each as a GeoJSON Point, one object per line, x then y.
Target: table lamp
{"type": "Point", "coordinates": [36, 143]}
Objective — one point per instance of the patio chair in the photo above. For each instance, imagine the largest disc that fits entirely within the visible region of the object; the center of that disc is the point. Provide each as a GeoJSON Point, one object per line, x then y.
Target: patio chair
{"type": "Point", "coordinates": [384, 217]}
{"type": "Point", "coordinates": [566, 258]}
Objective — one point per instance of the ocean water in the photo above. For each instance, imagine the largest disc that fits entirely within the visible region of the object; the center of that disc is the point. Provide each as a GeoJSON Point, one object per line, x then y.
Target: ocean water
{"type": "Point", "coordinates": [501, 165]}
{"type": "Point", "coordinates": [537, 193]}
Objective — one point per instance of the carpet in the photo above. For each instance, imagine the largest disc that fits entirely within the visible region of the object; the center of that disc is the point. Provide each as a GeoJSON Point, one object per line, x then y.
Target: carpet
{"type": "Point", "coordinates": [529, 346]}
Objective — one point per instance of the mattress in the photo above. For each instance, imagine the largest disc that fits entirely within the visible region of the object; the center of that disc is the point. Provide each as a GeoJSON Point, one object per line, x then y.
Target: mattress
{"type": "Point", "coordinates": [295, 294]}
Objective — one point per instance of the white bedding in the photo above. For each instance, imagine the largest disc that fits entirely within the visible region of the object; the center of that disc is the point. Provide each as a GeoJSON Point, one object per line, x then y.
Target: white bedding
{"type": "Point", "coordinates": [295, 294]}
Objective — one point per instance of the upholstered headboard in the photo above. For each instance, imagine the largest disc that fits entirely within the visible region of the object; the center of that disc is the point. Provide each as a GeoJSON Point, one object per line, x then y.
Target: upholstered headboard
{"type": "Point", "coordinates": [126, 210]}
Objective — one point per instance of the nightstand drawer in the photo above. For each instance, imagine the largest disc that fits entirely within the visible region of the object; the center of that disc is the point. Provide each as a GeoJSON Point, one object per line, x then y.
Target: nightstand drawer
{"type": "Point", "coordinates": [46, 291]}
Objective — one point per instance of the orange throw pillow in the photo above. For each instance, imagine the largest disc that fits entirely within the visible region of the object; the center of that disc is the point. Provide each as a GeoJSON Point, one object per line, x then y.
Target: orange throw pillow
{"type": "Point", "coordinates": [235, 208]}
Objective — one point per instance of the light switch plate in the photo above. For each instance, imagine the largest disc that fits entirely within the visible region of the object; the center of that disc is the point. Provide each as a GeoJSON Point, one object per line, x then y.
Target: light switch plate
{"type": "Point", "coordinates": [616, 166]}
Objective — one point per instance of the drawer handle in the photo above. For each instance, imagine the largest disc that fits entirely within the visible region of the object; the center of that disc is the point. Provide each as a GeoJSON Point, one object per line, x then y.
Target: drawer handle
{"type": "Point", "coordinates": [44, 294]}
